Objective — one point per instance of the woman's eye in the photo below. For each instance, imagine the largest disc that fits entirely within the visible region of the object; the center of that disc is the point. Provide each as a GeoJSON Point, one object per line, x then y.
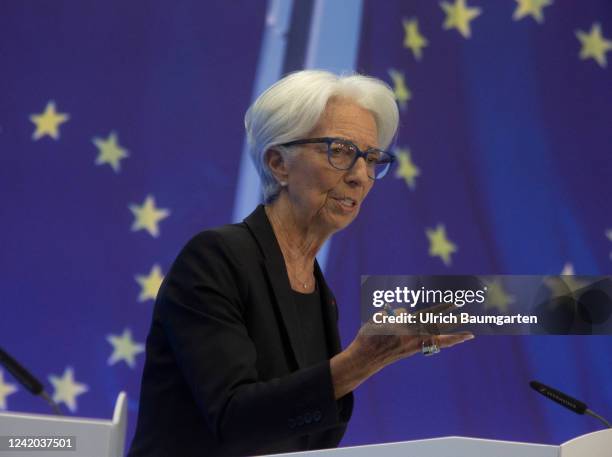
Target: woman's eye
{"type": "Point", "coordinates": [342, 149]}
{"type": "Point", "coordinates": [373, 157]}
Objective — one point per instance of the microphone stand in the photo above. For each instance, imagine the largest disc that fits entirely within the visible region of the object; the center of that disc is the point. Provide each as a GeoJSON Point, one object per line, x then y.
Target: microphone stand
{"type": "Point", "coordinates": [597, 416]}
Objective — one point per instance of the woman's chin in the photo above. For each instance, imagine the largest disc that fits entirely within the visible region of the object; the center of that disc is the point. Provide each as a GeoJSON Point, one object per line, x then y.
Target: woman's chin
{"type": "Point", "coordinates": [341, 219]}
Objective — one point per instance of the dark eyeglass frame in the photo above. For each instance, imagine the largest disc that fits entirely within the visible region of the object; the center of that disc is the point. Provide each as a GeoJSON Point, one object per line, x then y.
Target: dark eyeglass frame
{"type": "Point", "coordinates": [359, 153]}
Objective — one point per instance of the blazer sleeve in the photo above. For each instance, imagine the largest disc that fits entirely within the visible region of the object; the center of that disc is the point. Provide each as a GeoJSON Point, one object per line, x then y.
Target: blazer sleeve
{"type": "Point", "coordinates": [200, 305]}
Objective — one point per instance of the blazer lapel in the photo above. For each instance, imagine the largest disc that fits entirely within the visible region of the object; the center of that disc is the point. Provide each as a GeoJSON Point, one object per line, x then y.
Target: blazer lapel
{"type": "Point", "coordinates": [276, 271]}
{"type": "Point", "coordinates": [330, 313]}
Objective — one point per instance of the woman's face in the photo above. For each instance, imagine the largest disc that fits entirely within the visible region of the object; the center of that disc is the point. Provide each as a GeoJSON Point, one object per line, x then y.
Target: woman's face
{"type": "Point", "coordinates": [322, 194]}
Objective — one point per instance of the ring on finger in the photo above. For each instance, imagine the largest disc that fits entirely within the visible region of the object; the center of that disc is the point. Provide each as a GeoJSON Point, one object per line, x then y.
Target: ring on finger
{"type": "Point", "coordinates": [429, 347]}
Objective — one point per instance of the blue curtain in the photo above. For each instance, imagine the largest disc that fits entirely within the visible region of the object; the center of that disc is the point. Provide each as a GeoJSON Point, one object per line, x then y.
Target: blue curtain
{"type": "Point", "coordinates": [120, 137]}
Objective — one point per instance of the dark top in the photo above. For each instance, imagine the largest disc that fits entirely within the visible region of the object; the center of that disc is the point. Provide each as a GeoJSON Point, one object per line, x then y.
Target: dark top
{"type": "Point", "coordinates": [314, 340]}
{"type": "Point", "coordinates": [311, 326]}
{"type": "Point", "coordinates": [226, 372]}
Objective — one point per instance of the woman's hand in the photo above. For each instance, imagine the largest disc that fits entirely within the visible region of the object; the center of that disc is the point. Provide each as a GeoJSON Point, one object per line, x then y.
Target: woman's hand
{"type": "Point", "coordinates": [378, 345]}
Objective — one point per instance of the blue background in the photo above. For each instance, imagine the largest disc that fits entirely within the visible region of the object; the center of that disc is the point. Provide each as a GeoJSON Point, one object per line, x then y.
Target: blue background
{"type": "Point", "coordinates": [510, 130]}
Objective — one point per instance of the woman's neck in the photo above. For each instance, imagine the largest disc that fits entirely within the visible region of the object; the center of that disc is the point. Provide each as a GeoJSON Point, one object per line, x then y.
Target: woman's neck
{"type": "Point", "coordinates": [298, 239]}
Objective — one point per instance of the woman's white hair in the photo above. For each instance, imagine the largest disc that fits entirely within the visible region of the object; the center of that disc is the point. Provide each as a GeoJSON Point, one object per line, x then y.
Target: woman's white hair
{"type": "Point", "coordinates": [291, 108]}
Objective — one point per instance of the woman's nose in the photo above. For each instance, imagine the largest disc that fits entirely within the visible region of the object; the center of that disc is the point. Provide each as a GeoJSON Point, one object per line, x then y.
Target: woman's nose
{"type": "Point", "coordinates": [357, 175]}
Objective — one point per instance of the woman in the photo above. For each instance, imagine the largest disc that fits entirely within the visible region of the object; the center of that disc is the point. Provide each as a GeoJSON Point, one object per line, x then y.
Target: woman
{"type": "Point", "coordinates": [243, 355]}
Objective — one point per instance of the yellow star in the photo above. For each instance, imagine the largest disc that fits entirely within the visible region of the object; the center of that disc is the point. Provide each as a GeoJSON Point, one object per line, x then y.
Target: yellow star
{"type": "Point", "coordinates": [406, 169]}
{"type": "Point", "coordinates": [565, 282]}
{"type": "Point", "coordinates": [150, 284]}
{"type": "Point", "coordinates": [439, 245]}
{"type": "Point", "coordinates": [148, 216]}
{"type": "Point", "coordinates": [66, 389]}
{"type": "Point", "coordinates": [594, 45]}
{"type": "Point", "coordinates": [497, 296]}
{"type": "Point", "coordinates": [48, 122]}
{"type": "Point", "coordinates": [458, 16]}
{"type": "Point", "coordinates": [532, 8]}
{"type": "Point", "coordinates": [110, 152]}
{"type": "Point", "coordinates": [124, 348]}
{"type": "Point", "coordinates": [6, 389]}
{"type": "Point", "coordinates": [401, 92]}
{"type": "Point", "coordinates": [569, 278]}
{"type": "Point", "coordinates": [413, 39]}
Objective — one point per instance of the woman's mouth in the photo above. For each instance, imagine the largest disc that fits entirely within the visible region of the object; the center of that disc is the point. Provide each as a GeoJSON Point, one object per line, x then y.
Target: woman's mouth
{"type": "Point", "coordinates": [347, 203]}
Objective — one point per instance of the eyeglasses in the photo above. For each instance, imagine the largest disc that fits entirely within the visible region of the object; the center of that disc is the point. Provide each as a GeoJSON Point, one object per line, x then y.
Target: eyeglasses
{"type": "Point", "coordinates": [343, 154]}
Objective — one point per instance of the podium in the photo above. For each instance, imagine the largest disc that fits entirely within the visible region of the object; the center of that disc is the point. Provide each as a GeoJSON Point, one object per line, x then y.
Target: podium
{"type": "Point", "coordinates": [93, 437]}
{"type": "Point", "coordinates": [596, 444]}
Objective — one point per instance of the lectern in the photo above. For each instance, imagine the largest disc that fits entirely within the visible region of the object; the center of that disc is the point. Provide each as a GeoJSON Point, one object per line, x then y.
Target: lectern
{"type": "Point", "coordinates": [94, 437]}
{"type": "Point", "coordinates": [596, 444]}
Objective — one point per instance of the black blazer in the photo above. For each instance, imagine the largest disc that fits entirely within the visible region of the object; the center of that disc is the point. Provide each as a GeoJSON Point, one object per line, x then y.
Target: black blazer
{"type": "Point", "coordinates": [224, 373]}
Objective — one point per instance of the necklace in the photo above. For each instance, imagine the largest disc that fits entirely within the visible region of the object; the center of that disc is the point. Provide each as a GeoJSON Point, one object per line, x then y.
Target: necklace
{"type": "Point", "coordinates": [304, 284]}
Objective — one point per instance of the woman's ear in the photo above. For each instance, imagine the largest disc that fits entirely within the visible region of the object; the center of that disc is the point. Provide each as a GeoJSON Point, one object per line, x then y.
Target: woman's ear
{"type": "Point", "coordinates": [277, 165]}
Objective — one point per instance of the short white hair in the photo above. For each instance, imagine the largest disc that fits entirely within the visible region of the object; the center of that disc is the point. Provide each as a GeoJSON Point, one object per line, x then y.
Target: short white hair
{"type": "Point", "coordinates": [291, 108]}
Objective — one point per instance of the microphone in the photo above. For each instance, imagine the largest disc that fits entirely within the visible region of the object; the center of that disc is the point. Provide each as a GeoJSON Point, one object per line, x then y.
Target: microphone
{"type": "Point", "coordinates": [26, 379]}
{"type": "Point", "coordinates": [565, 400]}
